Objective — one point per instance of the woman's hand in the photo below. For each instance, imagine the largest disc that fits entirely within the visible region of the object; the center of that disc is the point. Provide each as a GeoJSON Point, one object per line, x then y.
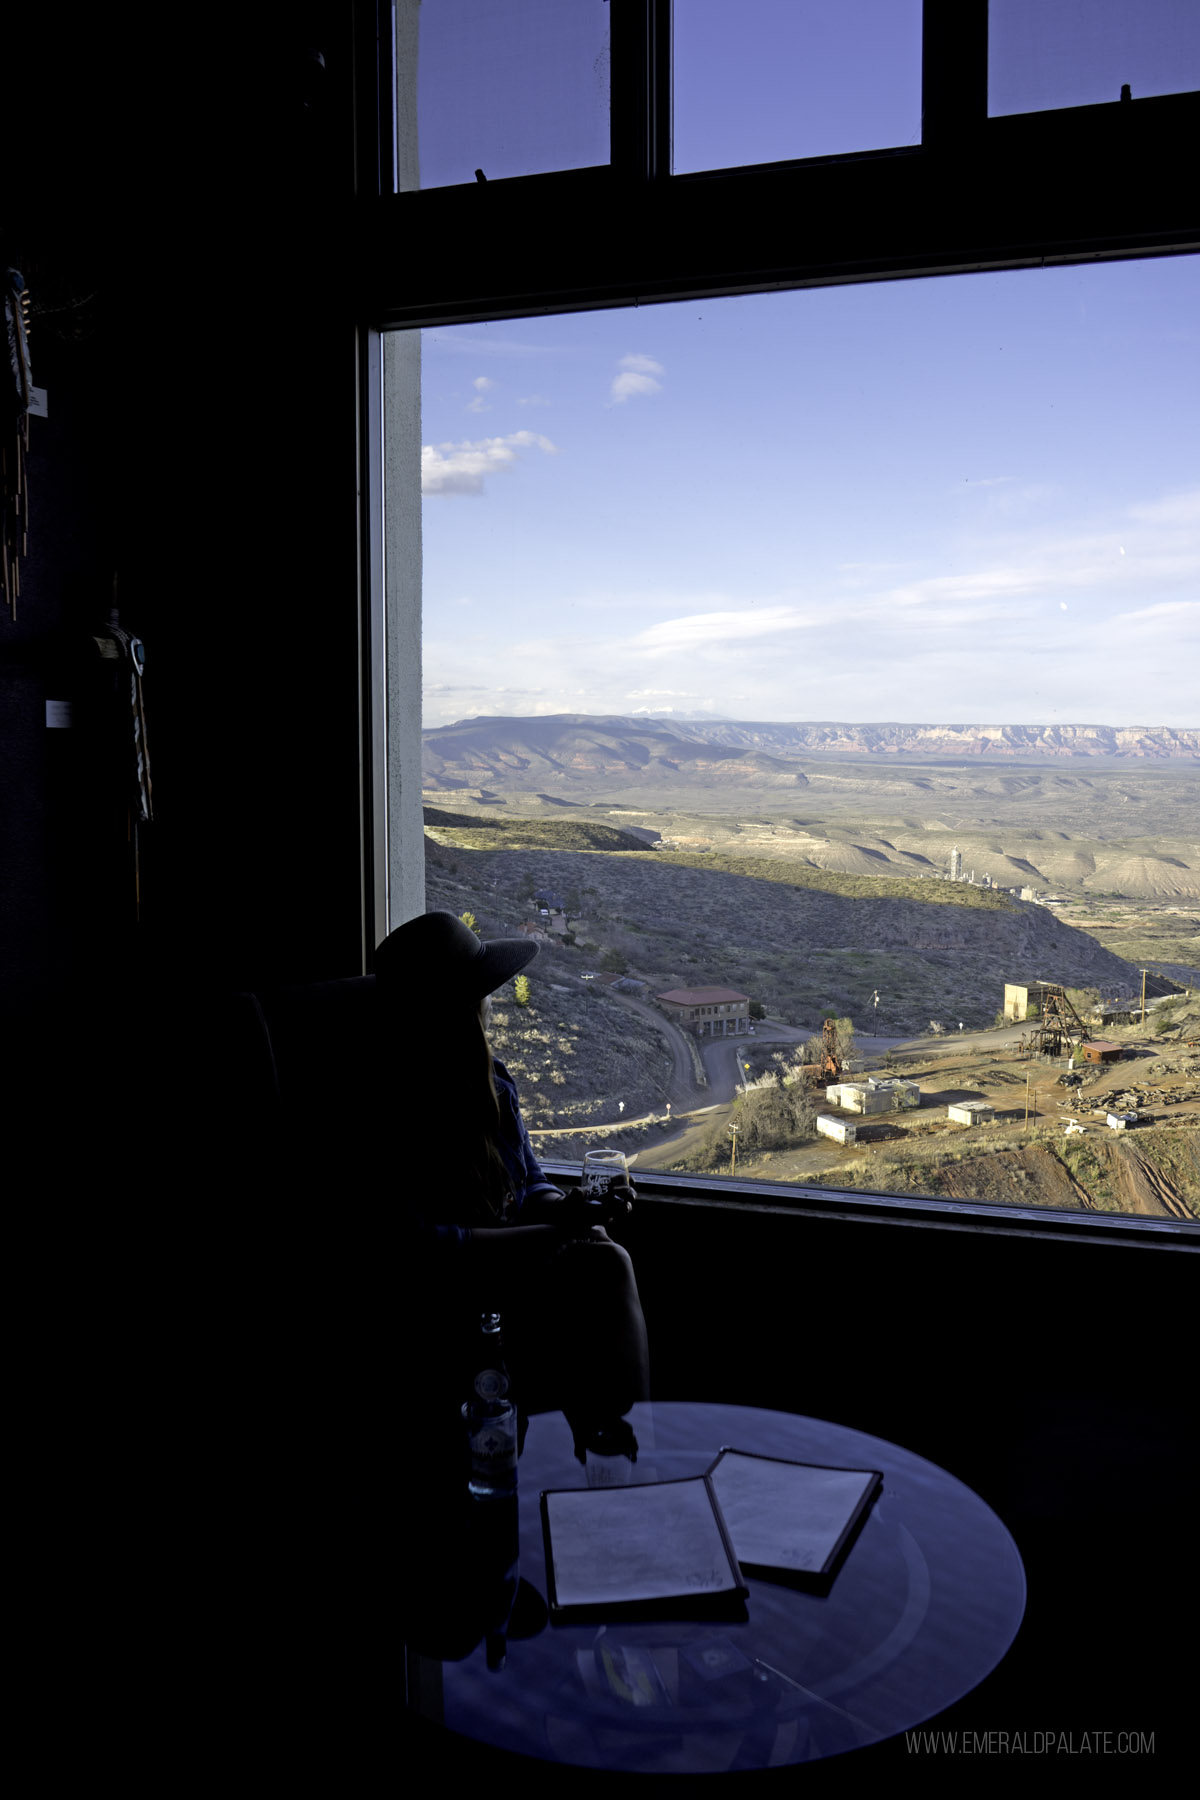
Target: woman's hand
{"type": "Point", "coordinates": [618, 1202]}
{"type": "Point", "coordinates": [604, 1209]}
{"type": "Point", "coordinates": [573, 1214]}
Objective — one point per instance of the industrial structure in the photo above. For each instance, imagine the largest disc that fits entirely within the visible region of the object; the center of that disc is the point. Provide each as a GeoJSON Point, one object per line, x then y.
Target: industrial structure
{"type": "Point", "coordinates": [830, 1066]}
{"type": "Point", "coordinates": [1055, 1019]}
{"type": "Point", "coordinates": [1059, 1023]}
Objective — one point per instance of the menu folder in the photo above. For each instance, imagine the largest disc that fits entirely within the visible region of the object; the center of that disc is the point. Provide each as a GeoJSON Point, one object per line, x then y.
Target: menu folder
{"type": "Point", "coordinates": [651, 1550]}
{"type": "Point", "coordinates": [790, 1521]}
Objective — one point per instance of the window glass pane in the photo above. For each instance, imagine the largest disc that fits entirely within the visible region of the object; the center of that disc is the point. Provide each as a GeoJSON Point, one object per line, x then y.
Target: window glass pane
{"type": "Point", "coordinates": [1044, 54]}
{"type": "Point", "coordinates": [512, 87]}
{"type": "Point", "coordinates": [795, 78]}
{"type": "Point", "coordinates": [791, 656]}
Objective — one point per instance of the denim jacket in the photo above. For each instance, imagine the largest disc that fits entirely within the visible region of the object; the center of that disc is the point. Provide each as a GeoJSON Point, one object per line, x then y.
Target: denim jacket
{"type": "Point", "coordinates": [524, 1171]}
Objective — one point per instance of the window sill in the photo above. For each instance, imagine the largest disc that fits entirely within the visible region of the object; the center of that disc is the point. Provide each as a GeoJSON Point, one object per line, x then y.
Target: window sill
{"type": "Point", "coordinates": [912, 1211]}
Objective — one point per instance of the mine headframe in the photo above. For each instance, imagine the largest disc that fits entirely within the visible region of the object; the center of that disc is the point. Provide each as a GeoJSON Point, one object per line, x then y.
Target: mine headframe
{"type": "Point", "coordinates": [830, 1068]}
{"type": "Point", "coordinates": [1059, 1022]}
{"type": "Point", "coordinates": [831, 1062]}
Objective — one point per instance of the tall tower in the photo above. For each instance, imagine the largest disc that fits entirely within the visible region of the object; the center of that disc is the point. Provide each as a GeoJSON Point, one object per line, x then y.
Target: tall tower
{"type": "Point", "coordinates": [956, 864]}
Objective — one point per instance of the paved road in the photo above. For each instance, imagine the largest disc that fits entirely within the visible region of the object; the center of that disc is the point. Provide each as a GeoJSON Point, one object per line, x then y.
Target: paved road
{"type": "Point", "coordinates": [688, 1099]}
{"type": "Point", "coordinates": [693, 1104]}
{"type": "Point", "coordinates": [1001, 1038]}
{"type": "Point", "coordinates": [681, 1089]}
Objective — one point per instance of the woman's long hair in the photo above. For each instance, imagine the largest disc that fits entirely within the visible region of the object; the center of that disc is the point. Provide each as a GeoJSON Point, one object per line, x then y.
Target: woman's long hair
{"type": "Point", "coordinates": [451, 1114]}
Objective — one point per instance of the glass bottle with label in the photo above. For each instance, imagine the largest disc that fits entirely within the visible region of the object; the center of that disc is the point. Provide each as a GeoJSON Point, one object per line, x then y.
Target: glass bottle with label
{"type": "Point", "coordinates": [491, 1418]}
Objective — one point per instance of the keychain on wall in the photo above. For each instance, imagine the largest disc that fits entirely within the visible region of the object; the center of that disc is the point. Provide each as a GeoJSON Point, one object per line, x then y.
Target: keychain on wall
{"type": "Point", "coordinates": [16, 402]}
{"type": "Point", "coordinates": [116, 644]}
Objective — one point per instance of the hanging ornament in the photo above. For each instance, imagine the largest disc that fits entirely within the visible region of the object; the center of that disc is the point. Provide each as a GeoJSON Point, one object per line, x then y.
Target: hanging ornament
{"type": "Point", "coordinates": [16, 398]}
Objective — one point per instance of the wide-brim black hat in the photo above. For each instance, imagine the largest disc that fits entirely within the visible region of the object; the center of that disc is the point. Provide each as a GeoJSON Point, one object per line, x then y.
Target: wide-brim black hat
{"type": "Point", "coordinates": [436, 950]}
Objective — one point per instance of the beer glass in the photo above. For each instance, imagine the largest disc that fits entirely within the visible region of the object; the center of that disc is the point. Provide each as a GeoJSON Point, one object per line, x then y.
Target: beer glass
{"type": "Point", "coordinates": [603, 1170]}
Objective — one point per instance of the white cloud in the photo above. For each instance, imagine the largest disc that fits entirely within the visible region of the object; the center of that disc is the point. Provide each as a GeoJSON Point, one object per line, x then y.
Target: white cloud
{"type": "Point", "coordinates": [945, 633]}
{"type": "Point", "coordinates": [1172, 612]}
{"type": "Point", "coordinates": [463, 468]}
{"type": "Point", "coordinates": [1175, 509]}
{"type": "Point", "coordinates": [690, 632]}
{"type": "Point", "coordinates": [637, 377]}
{"type": "Point", "coordinates": [481, 384]}
{"type": "Point", "coordinates": [624, 387]}
{"type": "Point", "coordinates": [533, 400]}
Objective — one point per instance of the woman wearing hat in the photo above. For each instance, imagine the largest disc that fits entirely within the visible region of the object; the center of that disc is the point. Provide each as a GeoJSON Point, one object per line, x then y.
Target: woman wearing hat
{"type": "Point", "coordinates": [485, 1228]}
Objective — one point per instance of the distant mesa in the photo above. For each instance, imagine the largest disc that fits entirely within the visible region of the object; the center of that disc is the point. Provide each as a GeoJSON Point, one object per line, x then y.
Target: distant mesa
{"type": "Point", "coordinates": [1006, 792]}
{"type": "Point", "coordinates": [581, 752]}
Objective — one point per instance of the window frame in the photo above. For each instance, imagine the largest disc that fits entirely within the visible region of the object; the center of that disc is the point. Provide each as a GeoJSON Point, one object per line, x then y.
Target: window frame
{"type": "Point", "coordinates": [1021, 190]}
{"type": "Point", "coordinates": [1077, 185]}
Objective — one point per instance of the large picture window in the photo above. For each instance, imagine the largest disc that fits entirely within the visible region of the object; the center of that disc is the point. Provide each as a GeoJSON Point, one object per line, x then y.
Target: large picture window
{"type": "Point", "coordinates": [809, 657]}
{"type": "Point", "coordinates": [801, 663]}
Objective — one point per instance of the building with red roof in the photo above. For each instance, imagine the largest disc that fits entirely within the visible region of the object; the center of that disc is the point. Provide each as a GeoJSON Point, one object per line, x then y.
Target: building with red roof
{"type": "Point", "coordinates": [707, 1011]}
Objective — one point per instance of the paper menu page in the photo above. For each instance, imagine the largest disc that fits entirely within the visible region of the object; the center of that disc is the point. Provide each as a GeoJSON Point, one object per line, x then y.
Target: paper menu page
{"type": "Point", "coordinates": [658, 1541]}
{"type": "Point", "coordinates": [787, 1515]}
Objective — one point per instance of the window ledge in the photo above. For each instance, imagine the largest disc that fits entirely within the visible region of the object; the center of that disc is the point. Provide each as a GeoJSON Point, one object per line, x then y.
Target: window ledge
{"type": "Point", "coordinates": [914, 1211]}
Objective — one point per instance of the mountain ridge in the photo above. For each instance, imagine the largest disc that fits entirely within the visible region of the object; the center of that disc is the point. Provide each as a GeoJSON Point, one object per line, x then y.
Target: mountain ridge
{"type": "Point", "coordinates": [579, 749]}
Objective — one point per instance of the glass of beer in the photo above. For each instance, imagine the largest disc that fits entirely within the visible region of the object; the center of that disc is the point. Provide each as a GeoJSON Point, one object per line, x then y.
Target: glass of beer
{"type": "Point", "coordinates": [603, 1170]}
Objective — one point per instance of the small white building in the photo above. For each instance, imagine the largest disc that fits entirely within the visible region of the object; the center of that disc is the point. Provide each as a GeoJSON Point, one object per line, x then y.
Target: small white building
{"type": "Point", "coordinates": [971, 1112]}
{"type": "Point", "coordinates": [1121, 1121]}
{"type": "Point", "coordinates": [842, 1131]}
{"type": "Point", "coordinates": [871, 1096]}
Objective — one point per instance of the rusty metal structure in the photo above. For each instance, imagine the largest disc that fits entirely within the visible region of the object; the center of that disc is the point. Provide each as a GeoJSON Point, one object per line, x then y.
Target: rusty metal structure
{"type": "Point", "coordinates": [1059, 1023]}
{"type": "Point", "coordinates": [831, 1060]}
{"type": "Point", "coordinates": [830, 1068]}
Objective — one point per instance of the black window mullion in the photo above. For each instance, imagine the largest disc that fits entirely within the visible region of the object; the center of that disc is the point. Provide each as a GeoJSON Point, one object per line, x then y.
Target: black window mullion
{"type": "Point", "coordinates": [954, 72]}
{"type": "Point", "coordinates": [374, 98]}
{"type": "Point", "coordinates": [640, 91]}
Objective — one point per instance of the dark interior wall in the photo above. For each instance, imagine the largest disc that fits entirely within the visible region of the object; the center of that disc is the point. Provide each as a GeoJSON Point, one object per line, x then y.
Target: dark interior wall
{"type": "Point", "coordinates": [195, 182]}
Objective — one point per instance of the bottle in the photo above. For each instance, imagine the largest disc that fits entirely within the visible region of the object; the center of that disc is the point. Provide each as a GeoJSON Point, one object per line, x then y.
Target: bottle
{"type": "Point", "coordinates": [491, 1419]}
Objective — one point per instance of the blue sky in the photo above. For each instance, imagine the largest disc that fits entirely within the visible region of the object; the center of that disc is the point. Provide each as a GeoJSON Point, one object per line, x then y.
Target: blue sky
{"type": "Point", "coordinates": [519, 86]}
{"type": "Point", "coordinates": [975, 498]}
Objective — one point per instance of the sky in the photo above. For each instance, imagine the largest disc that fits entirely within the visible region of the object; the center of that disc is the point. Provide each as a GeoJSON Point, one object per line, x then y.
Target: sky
{"type": "Point", "coordinates": [517, 87]}
{"type": "Point", "coordinates": [956, 500]}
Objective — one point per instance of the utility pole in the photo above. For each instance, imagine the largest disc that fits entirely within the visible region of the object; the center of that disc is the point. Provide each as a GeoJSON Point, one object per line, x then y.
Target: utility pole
{"type": "Point", "coordinates": [1143, 996]}
{"type": "Point", "coordinates": [733, 1131]}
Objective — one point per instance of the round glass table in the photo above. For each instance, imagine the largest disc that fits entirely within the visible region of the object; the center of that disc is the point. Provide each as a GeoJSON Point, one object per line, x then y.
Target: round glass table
{"type": "Point", "coordinates": [924, 1605]}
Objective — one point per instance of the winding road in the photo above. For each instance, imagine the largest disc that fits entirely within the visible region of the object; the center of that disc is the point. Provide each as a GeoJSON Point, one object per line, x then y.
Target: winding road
{"type": "Point", "coordinates": [692, 1101]}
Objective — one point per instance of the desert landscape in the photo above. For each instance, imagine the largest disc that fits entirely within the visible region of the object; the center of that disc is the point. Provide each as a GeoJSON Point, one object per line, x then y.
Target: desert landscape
{"type": "Point", "coordinates": [809, 868]}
